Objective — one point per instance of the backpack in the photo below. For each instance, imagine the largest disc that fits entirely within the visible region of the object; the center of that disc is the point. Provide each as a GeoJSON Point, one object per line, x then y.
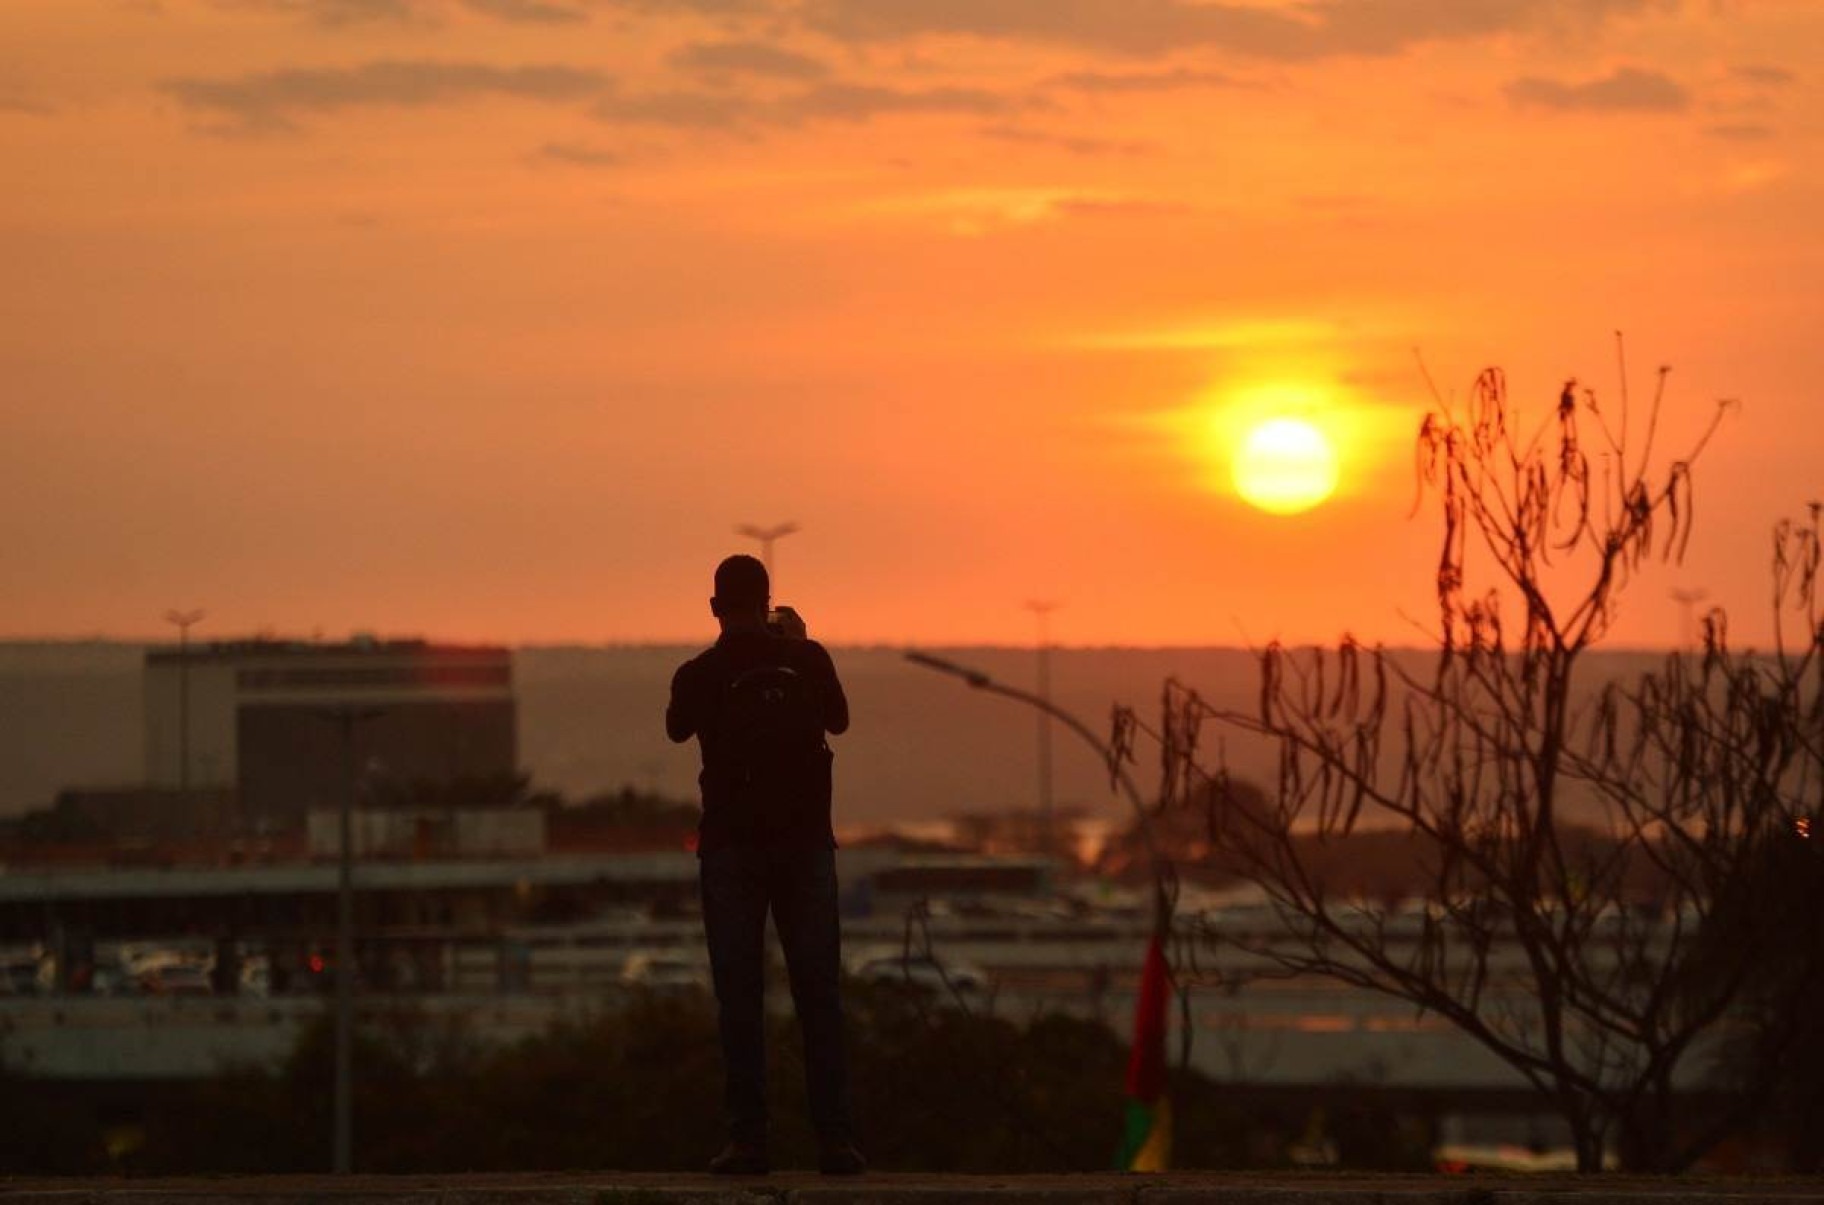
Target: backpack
{"type": "Point", "coordinates": [772, 742]}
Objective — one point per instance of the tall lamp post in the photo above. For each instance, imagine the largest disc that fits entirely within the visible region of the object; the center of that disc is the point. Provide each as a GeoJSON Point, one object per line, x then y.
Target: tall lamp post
{"type": "Point", "coordinates": [347, 721]}
{"type": "Point", "coordinates": [767, 537]}
{"type": "Point", "coordinates": [184, 620]}
{"type": "Point", "coordinates": [1048, 837]}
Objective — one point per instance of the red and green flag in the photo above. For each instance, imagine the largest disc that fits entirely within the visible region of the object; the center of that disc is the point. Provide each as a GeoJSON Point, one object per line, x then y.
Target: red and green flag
{"type": "Point", "coordinates": [1147, 1145]}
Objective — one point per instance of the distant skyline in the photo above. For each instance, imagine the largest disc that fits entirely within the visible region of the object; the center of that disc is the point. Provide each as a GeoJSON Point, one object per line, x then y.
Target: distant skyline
{"type": "Point", "coordinates": [491, 320]}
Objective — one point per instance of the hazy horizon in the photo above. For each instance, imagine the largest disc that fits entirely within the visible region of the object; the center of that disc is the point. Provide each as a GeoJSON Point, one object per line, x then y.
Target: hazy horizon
{"type": "Point", "coordinates": [923, 746]}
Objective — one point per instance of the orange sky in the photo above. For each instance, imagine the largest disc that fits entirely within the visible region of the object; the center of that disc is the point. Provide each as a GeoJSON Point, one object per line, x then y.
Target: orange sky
{"type": "Point", "coordinates": [488, 319]}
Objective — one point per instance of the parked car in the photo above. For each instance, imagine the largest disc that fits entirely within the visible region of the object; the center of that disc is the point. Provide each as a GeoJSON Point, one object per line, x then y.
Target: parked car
{"type": "Point", "coordinates": [163, 974]}
{"type": "Point", "coordinates": [24, 975]}
{"type": "Point", "coordinates": [256, 975]}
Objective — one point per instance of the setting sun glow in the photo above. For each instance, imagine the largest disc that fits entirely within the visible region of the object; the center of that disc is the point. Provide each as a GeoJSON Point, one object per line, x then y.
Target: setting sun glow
{"type": "Point", "coordinates": [302, 290]}
{"type": "Point", "coordinates": [1285, 466]}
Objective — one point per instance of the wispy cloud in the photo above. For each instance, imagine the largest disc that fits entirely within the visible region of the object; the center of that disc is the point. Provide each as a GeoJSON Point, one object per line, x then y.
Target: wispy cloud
{"type": "Point", "coordinates": [684, 110]}
{"type": "Point", "coordinates": [335, 12]}
{"type": "Point", "coordinates": [1118, 207]}
{"type": "Point", "coordinates": [747, 58]}
{"type": "Point", "coordinates": [273, 101]}
{"type": "Point", "coordinates": [1220, 334]}
{"type": "Point", "coordinates": [13, 102]}
{"type": "Point", "coordinates": [700, 8]}
{"type": "Point", "coordinates": [974, 212]}
{"type": "Point", "coordinates": [1176, 79]}
{"type": "Point", "coordinates": [575, 154]}
{"type": "Point", "coordinates": [860, 102]}
{"type": "Point", "coordinates": [1764, 74]}
{"type": "Point", "coordinates": [536, 12]}
{"type": "Point", "coordinates": [1307, 29]}
{"type": "Point", "coordinates": [827, 102]}
{"type": "Point", "coordinates": [1752, 177]}
{"type": "Point", "coordinates": [1075, 144]}
{"type": "Point", "coordinates": [1627, 90]}
{"type": "Point", "coordinates": [1741, 133]}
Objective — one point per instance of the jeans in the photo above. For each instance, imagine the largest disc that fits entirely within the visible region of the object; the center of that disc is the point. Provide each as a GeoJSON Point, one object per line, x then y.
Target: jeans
{"type": "Point", "coordinates": [738, 886]}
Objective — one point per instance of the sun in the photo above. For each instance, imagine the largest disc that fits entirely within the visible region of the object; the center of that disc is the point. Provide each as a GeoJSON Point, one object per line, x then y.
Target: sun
{"type": "Point", "coordinates": [1285, 466]}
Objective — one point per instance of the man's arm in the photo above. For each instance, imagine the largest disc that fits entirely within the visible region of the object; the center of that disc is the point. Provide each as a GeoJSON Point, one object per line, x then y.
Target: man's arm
{"type": "Point", "coordinates": [835, 703]}
{"type": "Point", "coordinates": [680, 722]}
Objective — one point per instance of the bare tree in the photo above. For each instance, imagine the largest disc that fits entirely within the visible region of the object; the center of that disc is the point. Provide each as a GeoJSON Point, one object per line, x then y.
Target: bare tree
{"type": "Point", "coordinates": [1588, 852]}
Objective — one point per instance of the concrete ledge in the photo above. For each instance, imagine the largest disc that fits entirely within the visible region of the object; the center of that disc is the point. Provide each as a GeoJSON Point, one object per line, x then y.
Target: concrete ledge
{"type": "Point", "coordinates": [891, 1188]}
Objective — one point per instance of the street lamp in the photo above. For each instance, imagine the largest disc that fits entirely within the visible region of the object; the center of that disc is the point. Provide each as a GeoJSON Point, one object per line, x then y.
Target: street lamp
{"type": "Point", "coordinates": [1164, 891]}
{"type": "Point", "coordinates": [1047, 828]}
{"type": "Point", "coordinates": [184, 620]}
{"type": "Point", "coordinates": [766, 536]}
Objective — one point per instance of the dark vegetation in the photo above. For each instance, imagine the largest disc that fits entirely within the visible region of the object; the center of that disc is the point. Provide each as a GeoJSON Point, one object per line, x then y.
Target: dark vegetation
{"type": "Point", "coordinates": [939, 1089]}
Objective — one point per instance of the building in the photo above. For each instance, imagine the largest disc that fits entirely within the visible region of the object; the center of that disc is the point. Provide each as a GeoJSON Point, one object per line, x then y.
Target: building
{"type": "Point", "coordinates": [285, 724]}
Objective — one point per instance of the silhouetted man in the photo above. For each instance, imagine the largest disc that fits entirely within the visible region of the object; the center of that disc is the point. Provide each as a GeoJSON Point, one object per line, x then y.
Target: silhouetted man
{"type": "Point", "coordinates": [759, 702]}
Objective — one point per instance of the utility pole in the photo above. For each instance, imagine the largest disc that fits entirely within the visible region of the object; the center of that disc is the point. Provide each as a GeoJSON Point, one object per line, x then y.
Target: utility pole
{"type": "Point", "coordinates": [767, 536]}
{"type": "Point", "coordinates": [184, 620]}
{"type": "Point", "coordinates": [347, 720]}
{"type": "Point", "coordinates": [1048, 836]}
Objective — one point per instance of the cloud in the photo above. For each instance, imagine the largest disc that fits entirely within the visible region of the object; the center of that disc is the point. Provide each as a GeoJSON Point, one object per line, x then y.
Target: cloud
{"type": "Point", "coordinates": [728, 112]}
{"type": "Point", "coordinates": [1220, 334]}
{"type": "Point", "coordinates": [1144, 81]}
{"type": "Point", "coordinates": [270, 102]}
{"type": "Point", "coordinates": [575, 154]}
{"type": "Point", "coordinates": [337, 12]}
{"type": "Point", "coordinates": [1302, 29]}
{"type": "Point", "coordinates": [1072, 143]}
{"type": "Point", "coordinates": [862, 102]}
{"type": "Point", "coordinates": [1117, 207]}
{"type": "Point", "coordinates": [699, 8]}
{"type": "Point", "coordinates": [534, 12]}
{"type": "Point", "coordinates": [13, 102]}
{"type": "Point", "coordinates": [747, 58]}
{"type": "Point", "coordinates": [1765, 75]}
{"type": "Point", "coordinates": [1741, 133]}
{"type": "Point", "coordinates": [537, 12]}
{"type": "Point", "coordinates": [979, 211]}
{"type": "Point", "coordinates": [1627, 90]}
{"type": "Point", "coordinates": [679, 110]}
{"type": "Point", "coordinates": [1753, 177]}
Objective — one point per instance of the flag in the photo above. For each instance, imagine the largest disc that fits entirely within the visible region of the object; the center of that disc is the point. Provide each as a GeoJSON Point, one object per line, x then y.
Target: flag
{"type": "Point", "coordinates": [1147, 1145]}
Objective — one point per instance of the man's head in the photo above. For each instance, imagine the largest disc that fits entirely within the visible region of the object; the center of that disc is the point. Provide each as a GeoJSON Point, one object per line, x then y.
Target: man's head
{"type": "Point", "coordinates": [742, 591]}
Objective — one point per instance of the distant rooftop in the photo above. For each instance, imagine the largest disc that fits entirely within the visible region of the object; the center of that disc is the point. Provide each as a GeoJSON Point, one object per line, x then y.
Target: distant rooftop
{"type": "Point", "coordinates": [266, 647]}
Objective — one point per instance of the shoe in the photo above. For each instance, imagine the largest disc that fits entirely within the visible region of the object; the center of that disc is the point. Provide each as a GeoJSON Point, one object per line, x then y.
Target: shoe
{"type": "Point", "coordinates": [840, 1159]}
{"type": "Point", "coordinates": [740, 1159]}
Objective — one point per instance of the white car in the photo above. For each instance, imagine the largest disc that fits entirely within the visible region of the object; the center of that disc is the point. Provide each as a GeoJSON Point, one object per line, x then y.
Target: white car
{"type": "Point", "coordinates": [171, 973]}
{"type": "Point", "coordinates": [256, 975]}
{"type": "Point", "coordinates": [175, 979]}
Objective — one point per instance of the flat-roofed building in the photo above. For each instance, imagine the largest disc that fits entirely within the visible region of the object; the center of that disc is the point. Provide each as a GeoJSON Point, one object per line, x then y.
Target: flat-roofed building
{"type": "Point", "coordinates": [260, 717]}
